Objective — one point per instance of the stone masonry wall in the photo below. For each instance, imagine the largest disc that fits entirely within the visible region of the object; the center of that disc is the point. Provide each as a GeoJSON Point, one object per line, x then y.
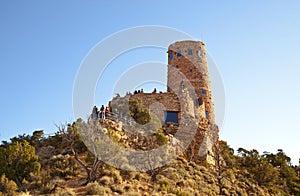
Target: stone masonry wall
{"type": "Point", "coordinates": [157, 103]}
{"type": "Point", "coordinates": [187, 65]}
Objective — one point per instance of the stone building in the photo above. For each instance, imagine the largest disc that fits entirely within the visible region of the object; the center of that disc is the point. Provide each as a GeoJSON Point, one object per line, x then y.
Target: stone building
{"type": "Point", "coordinates": [188, 96]}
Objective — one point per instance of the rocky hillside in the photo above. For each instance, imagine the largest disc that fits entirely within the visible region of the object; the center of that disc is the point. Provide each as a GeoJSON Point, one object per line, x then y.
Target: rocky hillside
{"type": "Point", "coordinates": [64, 165]}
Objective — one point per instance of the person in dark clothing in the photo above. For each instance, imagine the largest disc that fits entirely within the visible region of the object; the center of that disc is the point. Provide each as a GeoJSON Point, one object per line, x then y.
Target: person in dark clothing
{"type": "Point", "coordinates": [102, 114]}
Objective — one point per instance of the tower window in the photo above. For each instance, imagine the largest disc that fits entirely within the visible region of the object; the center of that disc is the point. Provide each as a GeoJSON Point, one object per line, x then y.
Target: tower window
{"type": "Point", "coordinates": [179, 53]}
{"type": "Point", "coordinates": [182, 84]}
{"type": "Point", "coordinates": [203, 92]}
{"type": "Point", "coordinates": [199, 100]}
{"type": "Point", "coordinates": [171, 116]}
{"type": "Point", "coordinates": [171, 56]}
{"type": "Point", "coordinates": [190, 52]}
{"type": "Point", "coordinates": [200, 53]}
{"type": "Point", "coordinates": [191, 70]}
{"type": "Point", "coordinates": [206, 114]}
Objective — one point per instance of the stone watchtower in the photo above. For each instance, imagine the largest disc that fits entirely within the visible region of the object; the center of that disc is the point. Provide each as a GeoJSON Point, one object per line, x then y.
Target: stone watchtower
{"type": "Point", "coordinates": [188, 97]}
{"type": "Point", "coordinates": [187, 63]}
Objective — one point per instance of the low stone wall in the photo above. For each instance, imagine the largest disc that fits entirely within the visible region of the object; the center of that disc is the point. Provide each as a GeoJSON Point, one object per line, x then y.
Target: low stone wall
{"type": "Point", "coordinates": [158, 103]}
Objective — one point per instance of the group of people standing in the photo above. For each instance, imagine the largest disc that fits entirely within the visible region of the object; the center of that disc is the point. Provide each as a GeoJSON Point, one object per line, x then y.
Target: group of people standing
{"type": "Point", "coordinates": [138, 91]}
{"type": "Point", "coordinates": [102, 113]}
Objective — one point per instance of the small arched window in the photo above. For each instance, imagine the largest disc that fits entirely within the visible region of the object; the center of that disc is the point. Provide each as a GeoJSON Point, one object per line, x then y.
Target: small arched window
{"type": "Point", "coordinates": [178, 54]}
{"type": "Point", "coordinates": [200, 53]}
{"type": "Point", "coordinates": [199, 101]}
{"type": "Point", "coordinates": [206, 114]}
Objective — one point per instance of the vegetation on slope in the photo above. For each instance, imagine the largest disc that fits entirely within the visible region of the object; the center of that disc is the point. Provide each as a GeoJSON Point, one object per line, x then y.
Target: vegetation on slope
{"type": "Point", "coordinates": [62, 165]}
{"type": "Point", "coordinates": [57, 172]}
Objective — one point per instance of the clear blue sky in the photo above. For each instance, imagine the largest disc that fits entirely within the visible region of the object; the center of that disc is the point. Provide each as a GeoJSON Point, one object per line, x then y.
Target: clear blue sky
{"type": "Point", "coordinates": [254, 43]}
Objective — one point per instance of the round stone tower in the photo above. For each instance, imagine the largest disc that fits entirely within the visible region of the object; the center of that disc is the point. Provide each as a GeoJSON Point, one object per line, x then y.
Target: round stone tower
{"type": "Point", "coordinates": [187, 63]}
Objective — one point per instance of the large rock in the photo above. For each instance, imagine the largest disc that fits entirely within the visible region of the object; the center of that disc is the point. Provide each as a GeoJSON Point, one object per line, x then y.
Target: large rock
{"type": "Point", "coordinates": [46, 152]}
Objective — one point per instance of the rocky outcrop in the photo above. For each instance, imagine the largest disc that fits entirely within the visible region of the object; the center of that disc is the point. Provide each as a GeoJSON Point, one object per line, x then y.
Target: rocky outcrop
{"type": "Point", "coordinates": [46, 152]}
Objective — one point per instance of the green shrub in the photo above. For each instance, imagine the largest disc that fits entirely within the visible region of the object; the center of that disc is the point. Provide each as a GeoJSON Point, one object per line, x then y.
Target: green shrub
{"type": "Point", "coordinates": [161, 138]}
{"type": "Point", "coordinates": [171, 173]}
{"type": "Point", "coordinates": [164, 184]}
{"type": "Point", "coordinates": [139, 176]}
{"type": "Point", "coordinates": [90, 157]}
{"type": "Point", "coordinates": [113, 173]}
{"type": "Point", "coordinates": [117, 189]}
{"type": "Point", "coordinates": [105, 180]}
{"type": "Point", "coordinates": [136, 110]}
{"type": "Point", "coordinates": [129, 175]}
{"type": "Point", "coordinates": [191, 182]}
{"type": "Point", "coordinates": [62, 166]}
{"type": "Point", "coordinates": [93, 188]}
{"type": "Point", "coordinates": [18, 160]}
{"type": "Point", "coordinates": [7, 187]}
{"type": "Point", "coordinates": [116, 176]}
{"type": "Point", "coordinates": [209, 178]}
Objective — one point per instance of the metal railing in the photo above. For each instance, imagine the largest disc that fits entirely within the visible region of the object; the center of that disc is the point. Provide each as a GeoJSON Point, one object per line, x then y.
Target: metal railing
{"type": "Point", "coordinates": [125, 119]}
